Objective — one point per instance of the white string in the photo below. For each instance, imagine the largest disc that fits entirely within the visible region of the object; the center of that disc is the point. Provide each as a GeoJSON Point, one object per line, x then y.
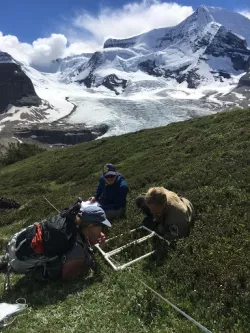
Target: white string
{"type": "Point", "coordinates": [51, 204]}
{"type": "Point", "coordinates": [203, 328]}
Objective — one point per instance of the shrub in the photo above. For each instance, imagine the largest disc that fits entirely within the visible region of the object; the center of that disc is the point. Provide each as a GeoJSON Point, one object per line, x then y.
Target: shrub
{"type": "Point", "coordinates": [19, 151]}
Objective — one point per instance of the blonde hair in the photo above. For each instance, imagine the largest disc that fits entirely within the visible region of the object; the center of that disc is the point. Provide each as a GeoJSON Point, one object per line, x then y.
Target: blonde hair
{"type": "Point", "coordinates": [161, 196]}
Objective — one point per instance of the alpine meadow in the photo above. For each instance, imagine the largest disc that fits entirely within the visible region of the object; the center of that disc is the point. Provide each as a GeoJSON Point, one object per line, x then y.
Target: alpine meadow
{"type": "Point", "coordinates": [206, 275]}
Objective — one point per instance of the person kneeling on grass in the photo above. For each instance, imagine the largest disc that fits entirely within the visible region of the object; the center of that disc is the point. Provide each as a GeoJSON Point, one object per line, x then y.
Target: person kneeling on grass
{"type": "Point", "coordinates": [167, 213]}
{"type": "Point", "coordinates": [57, 248]}
{"type": "Point", "coordinates": [111, 192]}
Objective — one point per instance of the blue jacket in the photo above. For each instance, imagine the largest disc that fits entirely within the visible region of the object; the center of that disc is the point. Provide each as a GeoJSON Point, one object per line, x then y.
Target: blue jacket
{"type": "Point", "coordinates": [112, 196]}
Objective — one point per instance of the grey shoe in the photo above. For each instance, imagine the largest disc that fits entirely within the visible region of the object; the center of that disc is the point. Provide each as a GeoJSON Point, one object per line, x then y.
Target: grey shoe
{"type": "Point", "coordinates": [4, 261]}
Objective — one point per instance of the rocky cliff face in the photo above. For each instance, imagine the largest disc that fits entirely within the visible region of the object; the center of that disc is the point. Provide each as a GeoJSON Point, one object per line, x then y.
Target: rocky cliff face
{"type": "Point", "coordinates": [60, 135]}
{"type": "Point", "coordinates": [90, 80]}
{"type": "Point", "coordinates": [227, 44]}
{"type": "Point", "coordinates": [16, 87]}
{"type": "Point", "coordinates": [245, 80]}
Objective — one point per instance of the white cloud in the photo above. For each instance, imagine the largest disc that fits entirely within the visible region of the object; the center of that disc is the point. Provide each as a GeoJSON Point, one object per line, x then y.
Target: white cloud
{"type": "Point", "coordinates": [47, 49]}
{"type": "Point", "coordinates": [82, 47]}
{"type": "Point", "coordinates": [40, 52]}
{"type": "Point", "coordinates": [245, 12]}
{"type": "Point", "coordinates": [11, 45]}
{"type": "Point", "coordinates": [132, 19]}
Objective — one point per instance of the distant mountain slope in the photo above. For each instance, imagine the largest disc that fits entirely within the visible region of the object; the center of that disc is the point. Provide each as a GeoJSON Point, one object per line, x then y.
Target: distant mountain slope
{"type": "Point", "coordinates": [16, 87]}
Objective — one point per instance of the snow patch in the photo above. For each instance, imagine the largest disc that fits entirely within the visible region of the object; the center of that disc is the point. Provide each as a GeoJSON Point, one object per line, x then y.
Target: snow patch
{"type": "Point", "coordinates": [18, 140]}
{"type": "Point", "coordinates": [239, 96]}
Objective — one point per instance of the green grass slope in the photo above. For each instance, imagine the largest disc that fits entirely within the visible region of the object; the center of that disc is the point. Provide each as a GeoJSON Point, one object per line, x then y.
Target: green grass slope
{"type": "Point", "coordinates": [207, 275]}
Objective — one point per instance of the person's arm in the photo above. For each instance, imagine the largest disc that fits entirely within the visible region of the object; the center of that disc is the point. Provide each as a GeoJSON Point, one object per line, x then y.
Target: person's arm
{"type": "Point", "coordinates": [120, 199]}
{"type": "Point", "coordinates": [177, 228]}
{"type": "Point", "coordinates": [170, 233]}
{"type": "Point", "coordinates": [73, 269]}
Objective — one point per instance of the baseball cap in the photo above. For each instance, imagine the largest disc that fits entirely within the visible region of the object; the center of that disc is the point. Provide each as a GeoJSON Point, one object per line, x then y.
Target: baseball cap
{"type": "Point", "coordinates": [109, 170]}
{"type": "Point", "coordinates": [95, 214]}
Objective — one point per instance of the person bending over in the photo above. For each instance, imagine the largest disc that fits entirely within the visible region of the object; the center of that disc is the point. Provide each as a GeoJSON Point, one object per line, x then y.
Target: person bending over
{"type": "Point", "coordinates": [167, 213]}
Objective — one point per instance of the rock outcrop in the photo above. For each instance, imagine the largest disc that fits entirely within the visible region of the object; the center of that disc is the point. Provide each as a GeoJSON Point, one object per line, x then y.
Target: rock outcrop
{"type": "Point", "coordinates": [245, 80]}
{"type": "Point", "coordinates": [6, 203]}
{"type": "Point", "coordinates": [63, 134]}
{"type": "Point", "coordinates": [16, 87]}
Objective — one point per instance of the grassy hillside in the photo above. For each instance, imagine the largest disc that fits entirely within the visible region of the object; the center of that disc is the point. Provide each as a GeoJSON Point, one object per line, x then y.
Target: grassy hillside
{"type": "Point", "coordinates": [207, 275]}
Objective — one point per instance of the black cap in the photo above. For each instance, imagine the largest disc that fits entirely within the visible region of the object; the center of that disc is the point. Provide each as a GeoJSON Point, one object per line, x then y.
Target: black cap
{"type": "Point", "coordinates": [109, 170]}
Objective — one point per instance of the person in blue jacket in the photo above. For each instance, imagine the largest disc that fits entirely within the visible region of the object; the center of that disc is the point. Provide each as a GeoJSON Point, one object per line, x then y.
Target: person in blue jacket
{"type": "Point", "coordinates": [111, 192]}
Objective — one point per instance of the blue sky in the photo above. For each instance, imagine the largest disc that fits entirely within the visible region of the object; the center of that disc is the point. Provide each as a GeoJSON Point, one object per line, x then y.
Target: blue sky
{"type": "Point", "coordinates": [31, 19]}
{"type": "Point", "coordinates": [36, 32]}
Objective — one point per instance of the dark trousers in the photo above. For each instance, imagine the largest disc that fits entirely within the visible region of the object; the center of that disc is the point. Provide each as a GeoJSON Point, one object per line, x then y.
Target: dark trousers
{"type": "Point", "coordinates": [149, 223]}
{"type": "Point", "coordinates": [115, 214]}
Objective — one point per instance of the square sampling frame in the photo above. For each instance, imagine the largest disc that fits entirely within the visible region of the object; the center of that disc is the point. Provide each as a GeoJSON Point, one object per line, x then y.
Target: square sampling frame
{"type": "Point", "coordinates": [108, 255]}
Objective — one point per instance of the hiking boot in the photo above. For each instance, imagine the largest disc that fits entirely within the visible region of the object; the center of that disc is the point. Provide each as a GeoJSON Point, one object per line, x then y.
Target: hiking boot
{"type": "Point", "coordinates": [4, 261]}
{"type": "Point", "coordinates": [96, 267]}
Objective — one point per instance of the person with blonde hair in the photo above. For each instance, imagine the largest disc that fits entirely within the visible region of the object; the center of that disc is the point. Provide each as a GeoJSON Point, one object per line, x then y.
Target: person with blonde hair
{"type": "Point", "coordinates": [168, 214]}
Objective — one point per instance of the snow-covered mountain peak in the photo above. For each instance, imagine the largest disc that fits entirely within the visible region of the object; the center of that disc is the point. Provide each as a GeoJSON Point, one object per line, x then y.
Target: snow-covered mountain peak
{"type": "Point", "coordinates": [233, 21]}
{"type": "Point", "coordinates": [193, 27]}
{"type": "Point", "coordinates": [202, 16]}
{"type": "Point", "coordinates": [205, 47]}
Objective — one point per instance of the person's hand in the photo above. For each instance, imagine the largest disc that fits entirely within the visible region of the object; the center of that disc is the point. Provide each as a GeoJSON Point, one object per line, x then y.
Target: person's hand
{"type": "Point", "coordinates": [101, 239]}
{"type": "Point", "coordinates": [92, 199]}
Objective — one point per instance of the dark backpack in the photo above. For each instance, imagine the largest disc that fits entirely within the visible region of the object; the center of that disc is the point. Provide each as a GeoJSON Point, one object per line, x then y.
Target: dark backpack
{"type": "Point", "coordinates": [59, 233]}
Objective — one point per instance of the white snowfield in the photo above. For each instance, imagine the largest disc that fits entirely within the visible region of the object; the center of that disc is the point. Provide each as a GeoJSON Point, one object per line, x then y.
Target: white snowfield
{"type": "Point", "coordinates": [150, 103]}
{"type": "Point", "coordinates": [148, 100]}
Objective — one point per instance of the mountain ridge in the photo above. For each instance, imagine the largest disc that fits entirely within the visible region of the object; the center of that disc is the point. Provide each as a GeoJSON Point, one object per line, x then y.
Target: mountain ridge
{"type": "Point", "coordinates": [181, 52]}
